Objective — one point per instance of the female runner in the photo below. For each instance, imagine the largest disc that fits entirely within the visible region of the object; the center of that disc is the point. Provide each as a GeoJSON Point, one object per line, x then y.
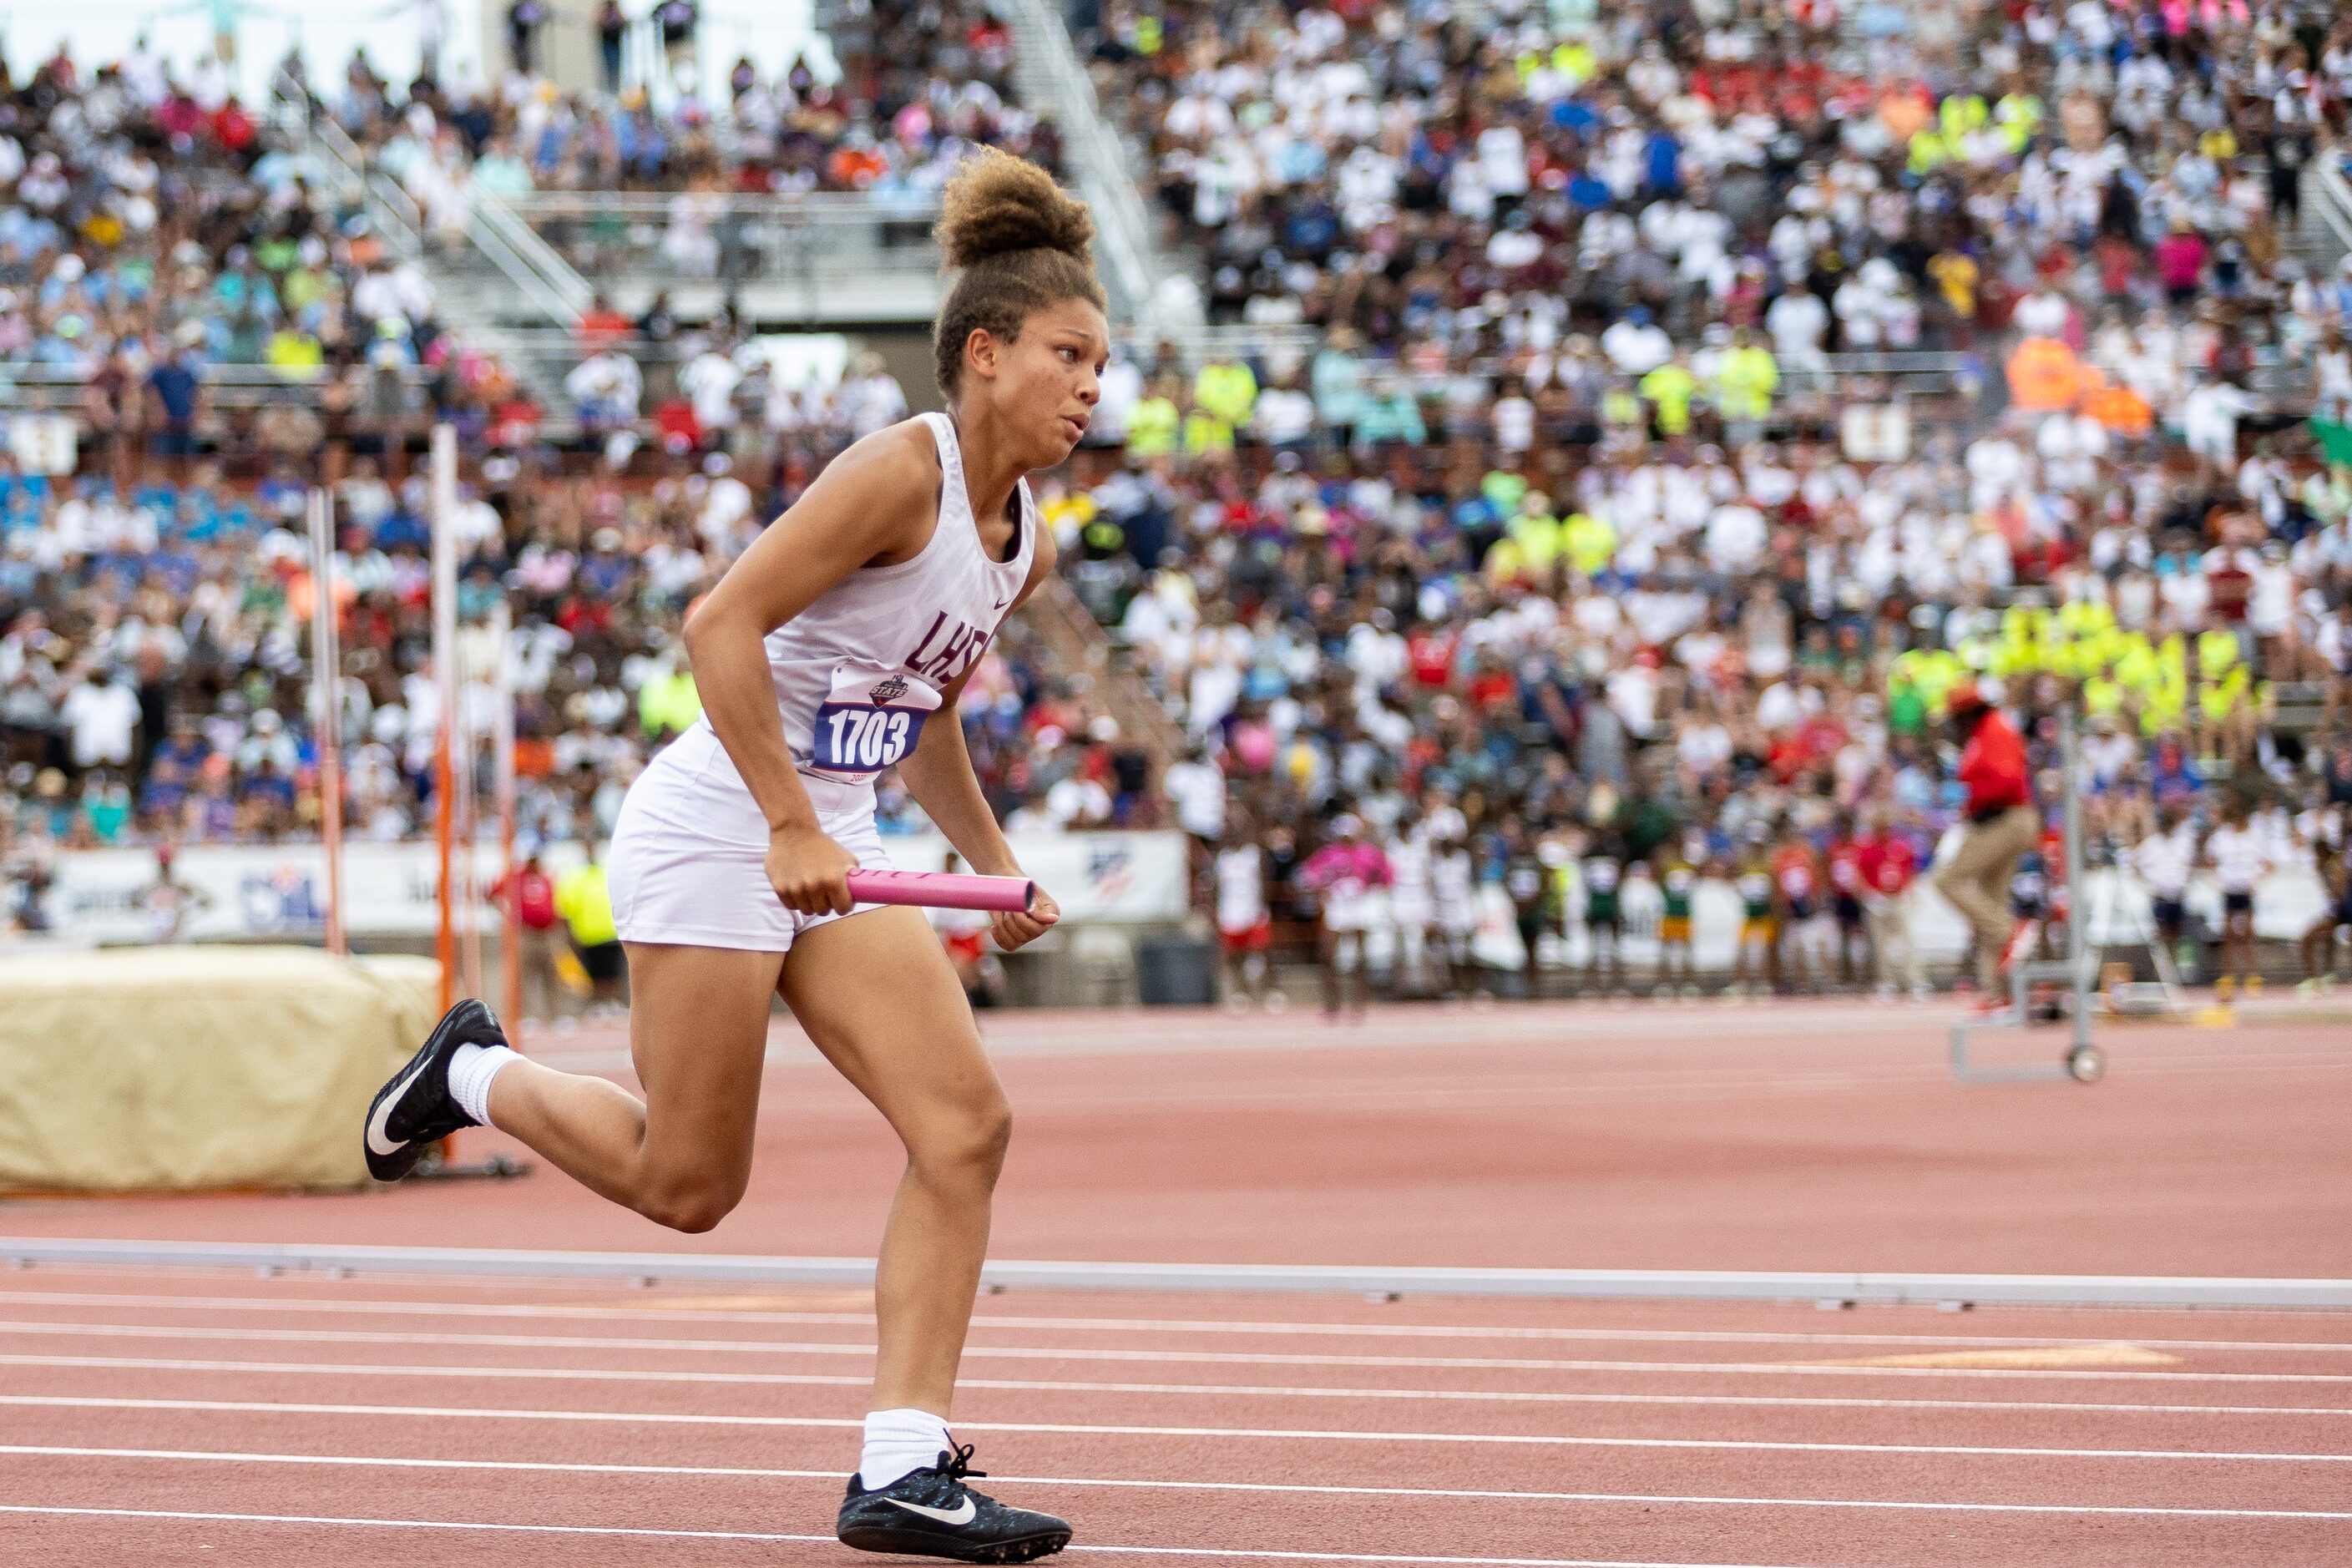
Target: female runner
{"type": "Point", "coordinates": [856, 617]}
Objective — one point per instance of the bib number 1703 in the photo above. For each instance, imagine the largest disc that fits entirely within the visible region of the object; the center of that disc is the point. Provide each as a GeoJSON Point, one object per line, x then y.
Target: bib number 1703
{"type": "Point", "coordinates": [857, 739]}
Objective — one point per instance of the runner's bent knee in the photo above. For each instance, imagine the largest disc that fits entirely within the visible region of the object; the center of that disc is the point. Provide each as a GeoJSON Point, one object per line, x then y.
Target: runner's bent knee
{"type": "Point", "coordinates": [691, 1171]}
{"type": "Point", "coordinates": [963, 1142]}
{"type": "Point", "coordinates": [691, 1198]}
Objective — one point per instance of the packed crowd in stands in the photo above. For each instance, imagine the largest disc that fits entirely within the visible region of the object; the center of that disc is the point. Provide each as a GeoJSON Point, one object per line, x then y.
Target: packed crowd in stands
{"type": "Point", "coordinates": [154, 602]}
{"type": "Point", "coordinates": [1540, 536]}
{"type": "Point", "coordinates": [1568, 536]}
{"type": "Point", "coordinates": [1736, 671]}
{"type": "Point", "coordinates": [916, 88]}
{"type": "Point", "coordinates": [1495, 182]}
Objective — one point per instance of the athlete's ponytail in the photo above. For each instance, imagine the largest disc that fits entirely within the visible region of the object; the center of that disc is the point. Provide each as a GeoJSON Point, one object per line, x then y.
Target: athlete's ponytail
{"type": "Point", "coordinates": [1018, 244]}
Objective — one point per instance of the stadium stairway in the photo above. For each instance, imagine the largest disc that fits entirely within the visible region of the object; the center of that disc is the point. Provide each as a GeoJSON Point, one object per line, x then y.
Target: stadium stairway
{"type": "Point", "coordinates": [1148, 290]}
{"type": "Point", "coordinates": [2325, 235]}
{"type": "Point", "coordinates": [501, 275]}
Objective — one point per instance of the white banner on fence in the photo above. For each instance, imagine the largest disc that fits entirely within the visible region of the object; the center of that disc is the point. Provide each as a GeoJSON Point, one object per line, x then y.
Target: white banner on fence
{"type": "Point", "coordinates": [102, 895]}
{"type": "Point", "coordinates": [2285, 905]}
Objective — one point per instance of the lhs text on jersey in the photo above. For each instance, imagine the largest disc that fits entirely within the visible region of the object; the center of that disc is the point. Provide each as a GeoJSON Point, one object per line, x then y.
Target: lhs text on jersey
{"type": "Point", "coordinates": [943, 655]}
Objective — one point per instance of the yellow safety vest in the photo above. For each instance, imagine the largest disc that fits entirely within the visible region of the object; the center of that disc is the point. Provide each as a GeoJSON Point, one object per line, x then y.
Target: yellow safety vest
{"type": "Point", "coordinates": [586, 902]}
{"type": "Point", "coordinates": [2221, 698]}
{"type": "Point", "coordinates": [1228, 391]}
{"type": "Point", "coordinates": [1591, 542]}
{"type": "Point", "coordinates": [1204, 432]}
{"type": "Point", "coordinates": [1745, 382]}
{"type": "Point", "coordinates": [668, 704]}
{"type": "Point", "coordinates": [2217, 650]}
{"type": "Point", "coordinates": [1151, 426]}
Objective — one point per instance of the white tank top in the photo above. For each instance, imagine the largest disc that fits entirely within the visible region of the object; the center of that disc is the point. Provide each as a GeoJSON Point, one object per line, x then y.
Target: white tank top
{"type": "Point", "coordinates": [859, 671]}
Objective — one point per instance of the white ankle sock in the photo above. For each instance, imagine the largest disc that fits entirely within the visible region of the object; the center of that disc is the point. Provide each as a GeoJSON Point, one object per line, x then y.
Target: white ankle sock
{"type": "Point", "coordinates": [898, 1443]}
{"type": "Point", "coordinates": [471, 1068]}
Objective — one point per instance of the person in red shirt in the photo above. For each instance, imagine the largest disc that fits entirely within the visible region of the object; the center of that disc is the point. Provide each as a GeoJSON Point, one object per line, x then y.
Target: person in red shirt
{"type": "Point", "coordinates": [1492, 685]}
{"type": "Point", "coordinates": [1820, 737]}
{"type": "Point", "coordinates": [541, 936]}
{"type": "Point", "coordinates": [232, 128]}
{"type": "Point", "coordinates": [675, 426]}
{"type": "Point", "coordinates": [601, 326]}
{"type": "Point", "coordinates": [2001, 827]}
{"type": "Point", "coordinates": [1888, 866]}
{"type": "Point", "coordinates": [1784, 756]}
{"type": "Point", "coordinates": [2228, 586]}
{"type": "Point", "coordinates": [1430, 650]}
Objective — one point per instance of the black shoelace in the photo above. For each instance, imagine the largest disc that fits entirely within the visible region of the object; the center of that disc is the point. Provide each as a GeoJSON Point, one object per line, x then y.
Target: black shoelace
{"type": "Point", "coordinates": [959, 1463]}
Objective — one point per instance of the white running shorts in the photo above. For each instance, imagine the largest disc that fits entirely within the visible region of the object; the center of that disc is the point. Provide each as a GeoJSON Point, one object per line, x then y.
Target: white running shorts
{"type": "Point", "coordinates": [688, 861]}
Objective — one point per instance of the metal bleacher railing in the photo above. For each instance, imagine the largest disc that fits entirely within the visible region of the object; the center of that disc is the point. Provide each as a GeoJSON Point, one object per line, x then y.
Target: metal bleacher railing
{"type": "Point", "coordinates": [542, 288]}
{"type": "Point", "coordinates": [814, 258]}
{"type": "Point", "coordinates": [2327, 212]}
{"type": "Point", "coordinates": [540, 258]}
{"type": "Point", "coordinates": [58, 389]}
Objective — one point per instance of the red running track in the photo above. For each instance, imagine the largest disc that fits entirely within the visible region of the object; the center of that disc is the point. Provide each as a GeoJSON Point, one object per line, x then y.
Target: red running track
{"type": "Point", "coordinates": [195, 1417]}
{"type": "Point", "coordinates": [153, 1417]}
{"type": "Point", "coordinates": [1821, 1136]}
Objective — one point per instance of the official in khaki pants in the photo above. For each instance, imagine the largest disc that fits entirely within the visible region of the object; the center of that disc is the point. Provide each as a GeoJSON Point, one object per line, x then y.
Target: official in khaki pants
{"type": "Point", "coordinates": [2003, 825]}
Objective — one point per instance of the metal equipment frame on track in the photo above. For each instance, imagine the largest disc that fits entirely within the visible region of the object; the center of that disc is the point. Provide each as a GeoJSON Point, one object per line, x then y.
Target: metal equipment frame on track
{"type": "Point", "coordinates": [2139, 929]}
{"type": "Point", "coordinates": [2084, 1061]}
{"type": "Point", "coordinates": [1828, 1289]}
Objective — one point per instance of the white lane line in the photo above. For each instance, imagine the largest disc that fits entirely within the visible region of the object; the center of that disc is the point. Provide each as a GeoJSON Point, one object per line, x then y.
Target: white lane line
{"type": "Point", "coordinates": [619, 1310]}
{"type": "Point", "coordinates": [193, 1456]}
{"type": "Point", "coordinates": [827, 1539]}
{"type": "Point", "coordinates": [770, 1536]}
{"type": "Point", "coordinates": [1661, 1336]}
{"type": "Point", "coordinates": [819, 1380]}
{"type": "Point", "coordinates": [1277, 1433]}
{"type": "Point", "coordinates": [37, 1327]}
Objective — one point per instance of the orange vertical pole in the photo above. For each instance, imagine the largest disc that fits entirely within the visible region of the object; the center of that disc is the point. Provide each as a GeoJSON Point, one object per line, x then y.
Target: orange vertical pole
{"type": "Point", "coordinates": [445, 944]}
{"type": "Point", "coordinates": [511, 895]}
{"type": "Point", "coordinates": [444, 495]}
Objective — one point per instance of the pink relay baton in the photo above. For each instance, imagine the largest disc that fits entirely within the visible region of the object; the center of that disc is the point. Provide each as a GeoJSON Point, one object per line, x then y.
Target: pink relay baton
{"type": "Point", "coordinates": [944, 890]}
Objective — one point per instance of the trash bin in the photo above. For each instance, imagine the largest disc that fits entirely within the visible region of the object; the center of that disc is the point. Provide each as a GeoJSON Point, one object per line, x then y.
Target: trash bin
{"type": "Point", "coordinates": [1175, 972]}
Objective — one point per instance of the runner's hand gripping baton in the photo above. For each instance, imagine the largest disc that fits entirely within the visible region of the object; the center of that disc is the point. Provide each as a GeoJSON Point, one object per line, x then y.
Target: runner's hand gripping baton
{"type": "Point", "coordinates": [944, 890]}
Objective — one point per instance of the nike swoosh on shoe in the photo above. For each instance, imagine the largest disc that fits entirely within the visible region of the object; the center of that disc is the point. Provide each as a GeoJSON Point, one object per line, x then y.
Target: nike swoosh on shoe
{"type": "Point", "coordinates": [964, 1514]}
{"type": "Point", "coordinates": [377, 1142]}
{"type": "Point", "coordinates": [390, 1157]}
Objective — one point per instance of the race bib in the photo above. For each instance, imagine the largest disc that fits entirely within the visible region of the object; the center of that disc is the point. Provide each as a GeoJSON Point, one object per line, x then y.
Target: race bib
{"type": "Point", "coordinates": [869, 723]}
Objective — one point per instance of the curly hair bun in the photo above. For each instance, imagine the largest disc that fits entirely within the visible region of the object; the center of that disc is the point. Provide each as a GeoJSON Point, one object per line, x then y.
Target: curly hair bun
{"type": "Point", "coordinates": [996, 204]}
